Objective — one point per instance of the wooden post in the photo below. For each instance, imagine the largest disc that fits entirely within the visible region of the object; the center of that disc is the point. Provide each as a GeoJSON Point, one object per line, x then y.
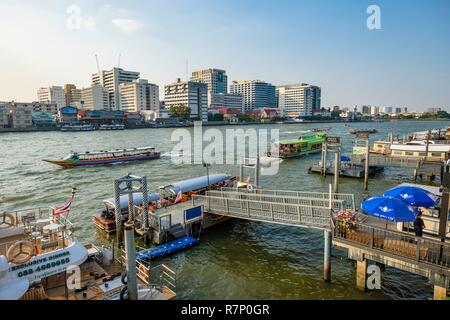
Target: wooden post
{"type": "Point", "coordinates": [427, 146]}
{"type": "Point", "coordinates": [361, 271]}
{"type": "Point", "coordinates": [440, 293]}
{"type": "Point", "coordinates": [327, 256]}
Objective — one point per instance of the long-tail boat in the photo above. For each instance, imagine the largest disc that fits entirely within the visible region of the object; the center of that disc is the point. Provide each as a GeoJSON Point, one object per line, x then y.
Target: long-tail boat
{"type": "Point", "coordinates": [107, 157]}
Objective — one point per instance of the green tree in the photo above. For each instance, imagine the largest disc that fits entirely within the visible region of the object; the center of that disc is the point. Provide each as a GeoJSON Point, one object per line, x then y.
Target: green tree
{"type": "Point", "coordinates": [181, 111]}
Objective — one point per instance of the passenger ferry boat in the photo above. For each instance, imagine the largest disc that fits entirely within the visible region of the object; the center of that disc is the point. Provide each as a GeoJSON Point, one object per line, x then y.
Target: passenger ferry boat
{"type": "Point", "coordinates": [305, 144]}
{"type": "Point", "coordinates": [78, 127]}
{"type": "Point", "coordinates": [107, 157]}
{"type": "Point", "coordinates": [164, 198]}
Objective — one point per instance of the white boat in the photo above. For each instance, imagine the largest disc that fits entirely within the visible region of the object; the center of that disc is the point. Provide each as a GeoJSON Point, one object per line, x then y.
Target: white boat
{"type": "Point", "coordinates": [81, 127]}
{"type": "Point", "coordinates": [104, 127]}
{"type": "Point", "coordinates": [34, 246]}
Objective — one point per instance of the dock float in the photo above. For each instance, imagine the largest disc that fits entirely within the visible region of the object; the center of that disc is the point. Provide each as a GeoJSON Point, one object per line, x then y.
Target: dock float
{"type": "Point", "coordinates": [166, 249]}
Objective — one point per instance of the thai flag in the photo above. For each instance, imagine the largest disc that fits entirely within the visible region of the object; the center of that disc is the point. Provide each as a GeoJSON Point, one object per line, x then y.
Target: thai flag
{"type": "Point", "coordinates": [65, 208]}
{"type": "Point", "coordinates": [179, 197]}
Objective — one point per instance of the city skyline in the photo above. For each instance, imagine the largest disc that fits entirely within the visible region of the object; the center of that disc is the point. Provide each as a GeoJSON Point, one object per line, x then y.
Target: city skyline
{"type": "Point", "coordinates": [320, 42]}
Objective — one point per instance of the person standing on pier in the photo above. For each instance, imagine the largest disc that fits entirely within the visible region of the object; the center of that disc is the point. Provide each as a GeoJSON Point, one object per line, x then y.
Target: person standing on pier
{"type": "Point", "coordinates": [419, 225]}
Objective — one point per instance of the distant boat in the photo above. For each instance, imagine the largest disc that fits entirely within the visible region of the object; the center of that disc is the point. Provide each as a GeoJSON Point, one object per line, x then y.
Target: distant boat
{"type": "Point", "coordinates": [77, 127]}
{"type": "Point", "coordinates": [112, 127]}
{"type": "Point", "coordinates": [107, 157]}
{"type": "Point", "coordinates": [353, 131]}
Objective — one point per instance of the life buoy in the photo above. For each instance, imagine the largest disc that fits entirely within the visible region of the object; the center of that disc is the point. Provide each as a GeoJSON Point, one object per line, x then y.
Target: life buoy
{"type": "Point", "coordinates": [20, 252]}
{"type": "Point", "coordinates": [250, 187]}
{"type": "Point", "coordinates": [7, 221]}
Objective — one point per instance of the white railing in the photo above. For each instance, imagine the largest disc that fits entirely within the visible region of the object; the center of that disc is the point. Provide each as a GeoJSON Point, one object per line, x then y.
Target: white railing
{"type": "Point", "coordinates": [337, 199]}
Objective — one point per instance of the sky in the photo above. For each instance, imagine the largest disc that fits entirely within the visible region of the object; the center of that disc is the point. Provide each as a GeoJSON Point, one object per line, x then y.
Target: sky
{"type": "Point", "coordinates": [322, 42]}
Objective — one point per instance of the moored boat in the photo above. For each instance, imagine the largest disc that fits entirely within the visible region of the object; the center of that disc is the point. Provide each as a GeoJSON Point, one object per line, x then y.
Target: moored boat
{"type": "Point", "coordinates": [305, 144]}
{"type": "Point", "coordinates": [166, 197]}
{"type": "Point", "coordinates": [105, 127]}
{"type": "Point", "coordinates": [78, 127]}
{"type": "Point", "coordinates": [107, 157]}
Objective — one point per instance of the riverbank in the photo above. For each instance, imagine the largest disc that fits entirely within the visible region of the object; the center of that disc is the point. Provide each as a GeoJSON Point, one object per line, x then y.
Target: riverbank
{"type": "Point", "coordinates": [222, 123]}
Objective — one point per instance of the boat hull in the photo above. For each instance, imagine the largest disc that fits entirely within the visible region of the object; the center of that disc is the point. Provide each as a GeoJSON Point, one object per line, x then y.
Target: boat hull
{"type": "Point", "coordinates": [296, 154]}
{"type": "Point", "coordinates": [86, 163]}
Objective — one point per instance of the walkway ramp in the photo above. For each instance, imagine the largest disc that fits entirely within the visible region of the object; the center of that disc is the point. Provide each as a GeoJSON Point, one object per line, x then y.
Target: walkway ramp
{"type": "Point", "coordinates": [309, 211]}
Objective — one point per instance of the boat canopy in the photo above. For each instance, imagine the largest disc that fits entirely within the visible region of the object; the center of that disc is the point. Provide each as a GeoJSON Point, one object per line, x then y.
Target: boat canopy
{"type": "Point", "coordinates": [137, 200]}
{"type": "Point", "coordinates": [317, 138]}
{"type": "Point", "coordinates": [195, 184]}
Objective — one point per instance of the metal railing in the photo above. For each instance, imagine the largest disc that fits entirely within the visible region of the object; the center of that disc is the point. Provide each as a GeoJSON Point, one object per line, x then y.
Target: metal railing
{"type": "Point", "coordinates": [274, 212]}
{"type": "Point", "coordinates": [27, 217]}
{"type": "Point", "coordinates": [348, 200]}
{"type": "Point", "coordinates": [377, 159]}
{"type": "Point", "coordinates": [304, 201]}
{"type": "Point", "coordinates": [399, 244]}
{"type": "Point", "coordinates": [159, 276]}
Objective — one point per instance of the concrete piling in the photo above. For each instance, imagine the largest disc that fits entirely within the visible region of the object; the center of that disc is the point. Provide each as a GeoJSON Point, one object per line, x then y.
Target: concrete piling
{"type": "Point", "coordinates": [327, 256]}
{"type": "Point", "coordinates": [130, 248]}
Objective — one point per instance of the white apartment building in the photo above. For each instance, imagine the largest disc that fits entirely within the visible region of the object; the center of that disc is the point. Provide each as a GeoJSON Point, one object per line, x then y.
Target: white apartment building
{"type": "Point", "coordinates": [257, 94]}
{"type": "Point", "coordinates": [189, 93]}
{"type": "Point", "coordinates": [228, 100]}
{"type": "Point", "coordinates": [53, 94]}
{"type": "Point", "coordinates": [374, 110]}
{"type": "Point", "coordinates": [111, 80]}
{"type": "Point", "coordinates": [298, 100]}
{"type": "Point", "coordinates": [216, 79]}
{"type": "Point", "coordinates": [93, 98]}
{"type": "Point", "coordinates": [138, 96]}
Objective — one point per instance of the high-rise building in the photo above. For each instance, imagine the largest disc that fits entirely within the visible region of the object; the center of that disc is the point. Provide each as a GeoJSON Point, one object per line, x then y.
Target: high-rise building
{"type": "Point", "coordinates": [374, 110]}
{"type": "Point", "coordinates": [216, 79]}
{"type": "Point", "coordinates": [433, 110]}
{"type": "Point", "coordinates": [298, 100]}
{"type": "Point", "coordinates": [227, 100]}
{"type": "Point", "coordinates": [188, 93]}
{"type": "Point", "coordinates": [95, 97]}
{"type": "Point", "coordinates": [111, 80]}
{"type": "Point", "coordinates": [364, 109]}
{"type": "Point", "coordinates": [3, 115]}
{"type": "Point", "coordinates": [139, 96]}
{"type": "Point", "coordinates": [72, 95]}
{"type": "Point", "coordinates": [53, 94]}
{"type": "Point", "coordinates": [257, 94]}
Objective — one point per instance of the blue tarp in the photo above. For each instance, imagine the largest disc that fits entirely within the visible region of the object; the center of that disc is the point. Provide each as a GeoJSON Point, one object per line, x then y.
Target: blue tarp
{"type": "Point", "coordinates": [165, 249]}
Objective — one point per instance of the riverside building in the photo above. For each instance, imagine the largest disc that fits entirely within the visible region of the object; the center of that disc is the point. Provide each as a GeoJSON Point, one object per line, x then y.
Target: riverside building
{"type": "Point", "coordinates": [216, 80]}
{"type": "Point", "coordinates": [256, 94]}
{"type": "Point", "coordinates": [111, 81]}
{"type": "Point", "coordinates": [139, 96]}
{"type": "Point", "coordinates": [188, 93]}
{"type": "Point", "coordinates": [53, 94]}
{"type": "Point", "coordinates": [298, 100]}
{"type": "Point", "coordinates": [93, 98]}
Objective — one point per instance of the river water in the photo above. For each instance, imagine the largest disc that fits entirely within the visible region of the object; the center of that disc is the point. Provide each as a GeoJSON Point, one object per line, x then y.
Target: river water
{"type": "Point", "coordinates": [234, 260]}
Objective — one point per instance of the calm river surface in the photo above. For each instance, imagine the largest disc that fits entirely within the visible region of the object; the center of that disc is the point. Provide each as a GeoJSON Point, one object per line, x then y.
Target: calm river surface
{"type": "Point", "coordinates": [235, 260]}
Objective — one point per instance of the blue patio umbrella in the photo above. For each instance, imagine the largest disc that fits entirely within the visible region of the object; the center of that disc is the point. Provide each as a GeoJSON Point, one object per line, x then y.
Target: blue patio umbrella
{"type": "Point", "coordinates": [415, 196]}
{"type": "Point", "coordinates": [390, 209]}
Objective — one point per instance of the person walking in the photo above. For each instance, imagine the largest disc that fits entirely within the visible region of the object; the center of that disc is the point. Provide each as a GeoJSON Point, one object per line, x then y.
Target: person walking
{"type": "Point", "coordinates": [419, 225]}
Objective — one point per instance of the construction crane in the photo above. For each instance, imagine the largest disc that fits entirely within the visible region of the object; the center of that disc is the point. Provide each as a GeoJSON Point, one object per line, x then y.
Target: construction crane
{"type": "Point", "coordinates": [100, 73]}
